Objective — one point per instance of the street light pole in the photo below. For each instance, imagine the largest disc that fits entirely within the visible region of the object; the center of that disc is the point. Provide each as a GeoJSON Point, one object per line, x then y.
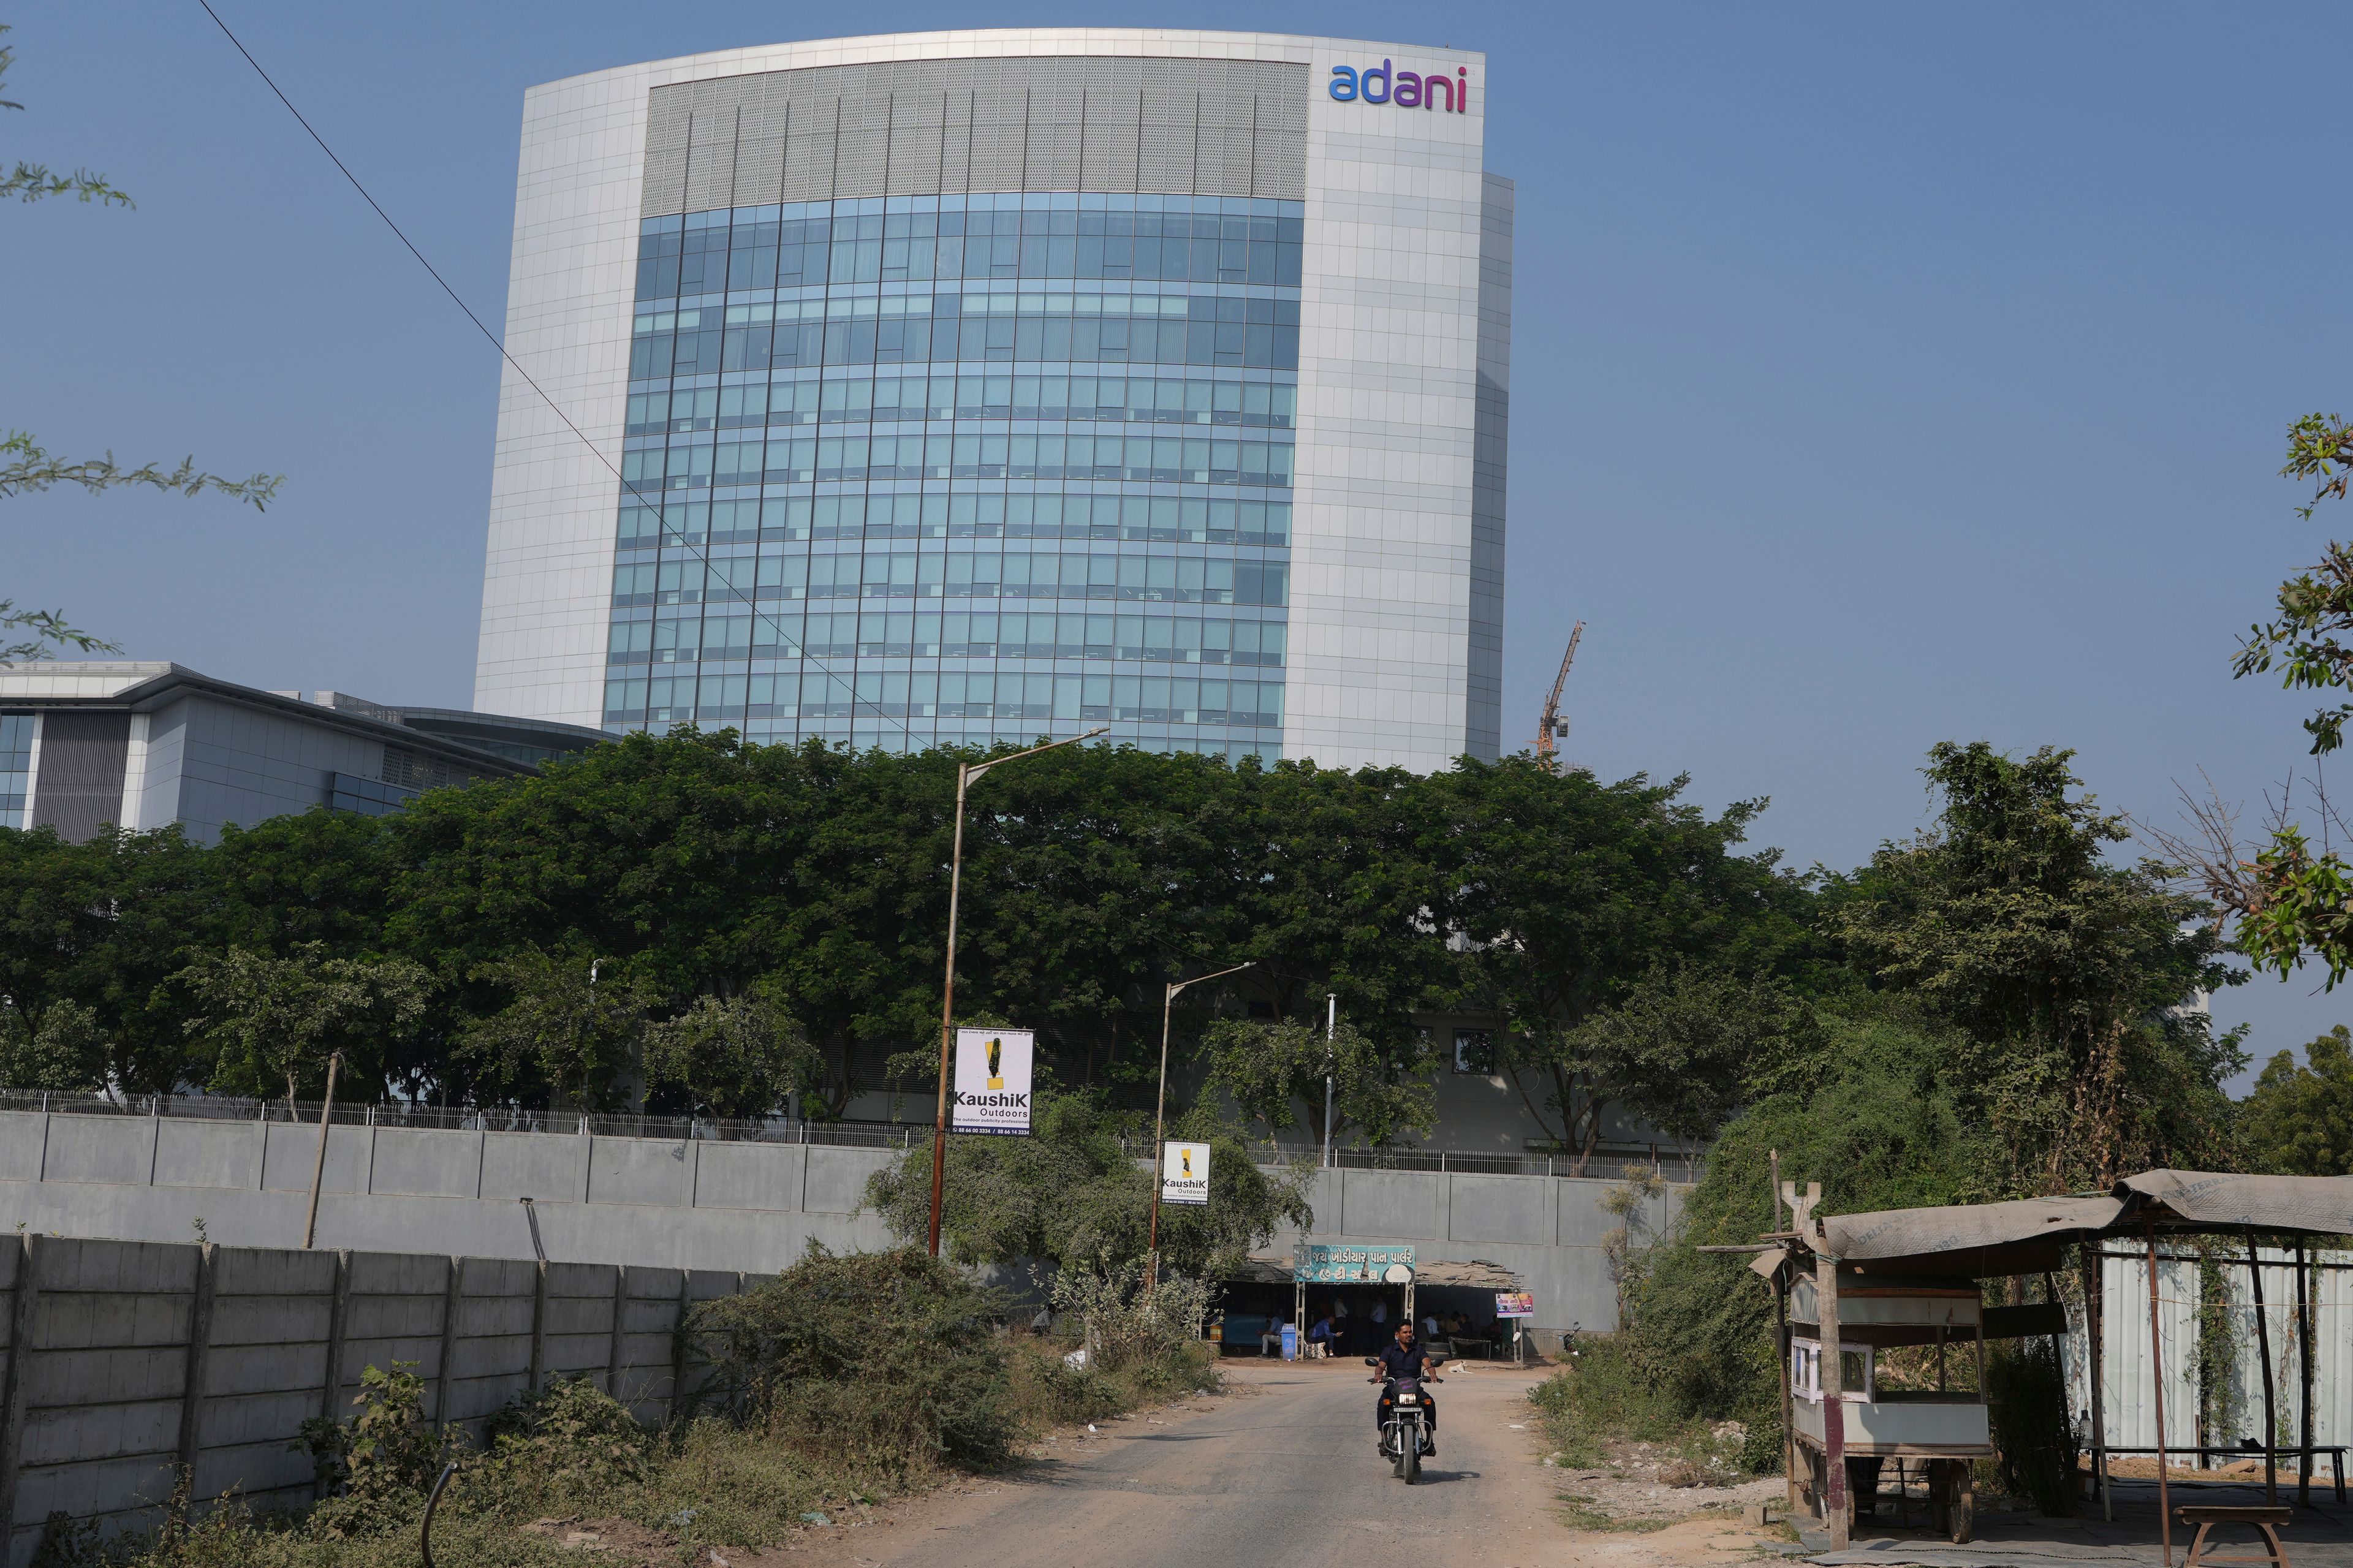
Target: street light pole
{"type": "Point", "coordinates": [1331, 1027]}
{"type": "Point", "coordinates": [966, 773]}
{"type": "Point", "coordinates": [1160, 1118]}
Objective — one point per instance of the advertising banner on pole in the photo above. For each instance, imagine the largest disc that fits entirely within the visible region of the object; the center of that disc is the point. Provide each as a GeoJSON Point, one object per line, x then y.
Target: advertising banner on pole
{"type": "Point", "coordinates": [1184, 1174]}
{"type": "Point", "coordinates": [1515, 1304]}
{"type": "Point", "coordinates": [991, 1081]}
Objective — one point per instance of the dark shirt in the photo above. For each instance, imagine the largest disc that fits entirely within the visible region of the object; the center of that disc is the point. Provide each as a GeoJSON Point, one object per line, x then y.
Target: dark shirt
{"type": "Point", "coordinates": [1403, 1361]}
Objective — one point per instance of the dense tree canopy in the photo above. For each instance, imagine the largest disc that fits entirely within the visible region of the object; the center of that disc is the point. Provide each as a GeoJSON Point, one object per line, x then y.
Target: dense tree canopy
{"type": "Point", "coordinates": [2299, 1120]}
{"type": "Point", "coordinates": [692, 872]}
{"type": "Point", "coordinates": [2066, 972]}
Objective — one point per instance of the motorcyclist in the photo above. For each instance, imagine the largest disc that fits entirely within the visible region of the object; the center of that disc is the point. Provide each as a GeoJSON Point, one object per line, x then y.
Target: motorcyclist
{"type": "Point", "coordinates": [1405, 1358]}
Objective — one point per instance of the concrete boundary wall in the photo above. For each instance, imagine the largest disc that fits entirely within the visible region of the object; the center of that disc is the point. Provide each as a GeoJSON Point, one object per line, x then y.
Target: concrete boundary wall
{"type": "Point", "coordinates": [129, 1364]}
{"type": "Point", "coordinates": [681, 1203]}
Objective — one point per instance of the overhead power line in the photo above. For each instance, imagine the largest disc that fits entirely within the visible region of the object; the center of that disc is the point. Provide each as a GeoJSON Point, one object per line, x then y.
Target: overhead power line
{"type": "Point", "coordinates": [848, 683]}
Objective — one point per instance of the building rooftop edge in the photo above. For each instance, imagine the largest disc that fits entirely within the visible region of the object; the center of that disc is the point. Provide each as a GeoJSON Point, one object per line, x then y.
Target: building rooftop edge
{"type": "Point", "coordinates": [146, 684]}
{"type": "Point", "coordinates": [986, 43]}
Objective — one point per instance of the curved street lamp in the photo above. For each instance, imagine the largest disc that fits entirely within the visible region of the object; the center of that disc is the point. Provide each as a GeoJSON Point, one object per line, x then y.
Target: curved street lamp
{"type": "Point", "coordinates": [966, 773]}
{"type": "Point", "coordinates": [1160, 1117]}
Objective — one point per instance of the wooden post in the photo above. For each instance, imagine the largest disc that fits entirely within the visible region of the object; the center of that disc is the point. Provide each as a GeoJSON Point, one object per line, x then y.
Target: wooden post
{"type": "Point", "coordinates": [319, 1163]}
{"type": "Point", "coordinates": [1833, 1404]}
{"type": "Point", "coordinates": [2303, 1315]}
{"type": "Point", "coordinates": [192, 1387]}
{"type": "Point", "coordinates": [2156, 1382]}
{"type": "Point", "coordinates": [452, 1297]}
{"type": "Point", "coordinates": [1781, 1338]}
{"type": "Point", "coordinates": [2095, 1302]}
{"type": "Point", "coordinates": [22, 1317]}
{"type": "Point", "coordinates": [2264, 1348]}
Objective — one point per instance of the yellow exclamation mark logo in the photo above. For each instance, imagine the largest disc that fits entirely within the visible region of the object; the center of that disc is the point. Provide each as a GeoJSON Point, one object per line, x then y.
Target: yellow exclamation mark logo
{"type": "Point", "coordinates": [1186, 1156]}
{"type": "Point", "coordinates": [996, 1063]}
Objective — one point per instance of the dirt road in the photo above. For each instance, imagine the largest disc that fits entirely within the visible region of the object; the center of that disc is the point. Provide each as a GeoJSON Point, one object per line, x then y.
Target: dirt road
{"type": "Point", "coordinates": [1278, 1473]}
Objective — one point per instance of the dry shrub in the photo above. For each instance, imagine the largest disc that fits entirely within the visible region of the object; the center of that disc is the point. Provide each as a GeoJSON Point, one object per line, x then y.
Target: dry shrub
{"type": "Point", "coordinates": [887, 1359]}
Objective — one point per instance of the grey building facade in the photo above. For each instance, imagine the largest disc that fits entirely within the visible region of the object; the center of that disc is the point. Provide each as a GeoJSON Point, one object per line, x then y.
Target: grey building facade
{"type": "Point", "coordinates": [84, 745]}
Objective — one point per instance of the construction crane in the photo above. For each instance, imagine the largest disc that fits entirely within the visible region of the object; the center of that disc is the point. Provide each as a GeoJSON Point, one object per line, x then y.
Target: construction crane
{"type": "Point", "coordinates": [1555, 727]}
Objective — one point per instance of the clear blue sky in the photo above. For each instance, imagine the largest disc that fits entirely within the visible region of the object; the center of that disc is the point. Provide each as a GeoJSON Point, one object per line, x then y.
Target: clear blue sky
{"type": "Point", "coordinates": [1881, 375]}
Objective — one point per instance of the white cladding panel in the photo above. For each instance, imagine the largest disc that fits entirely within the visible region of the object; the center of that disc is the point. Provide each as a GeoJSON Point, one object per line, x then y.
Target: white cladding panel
{"type": "Point", "coordinates": [1382, 603]}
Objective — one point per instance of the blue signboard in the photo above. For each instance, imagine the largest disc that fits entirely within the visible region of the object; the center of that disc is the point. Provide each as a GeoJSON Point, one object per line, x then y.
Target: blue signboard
{"type": "Point", "coordinates": [1315, 1263]}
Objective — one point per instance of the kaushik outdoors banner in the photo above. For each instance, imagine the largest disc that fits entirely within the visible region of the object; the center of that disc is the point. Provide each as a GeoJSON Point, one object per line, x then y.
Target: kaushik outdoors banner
{"type": "Point", "coordinates": [1184, 1174]}
{"type": "Point", "coordinates": [991, 1081]}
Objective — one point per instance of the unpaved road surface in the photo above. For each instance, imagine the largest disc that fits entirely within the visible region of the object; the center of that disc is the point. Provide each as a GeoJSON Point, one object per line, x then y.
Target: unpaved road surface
{"type": "Point", "coordinates": [1278, 1473]}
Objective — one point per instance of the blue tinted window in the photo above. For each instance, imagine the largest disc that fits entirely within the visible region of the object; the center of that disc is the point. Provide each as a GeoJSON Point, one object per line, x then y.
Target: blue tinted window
{"type": "Point", "coordinates": [963, 469]}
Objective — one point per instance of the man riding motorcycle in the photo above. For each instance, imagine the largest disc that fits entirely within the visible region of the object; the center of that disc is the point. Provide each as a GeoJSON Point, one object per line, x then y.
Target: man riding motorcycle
{"type": "Point", "coordinates": [1405, 1358]}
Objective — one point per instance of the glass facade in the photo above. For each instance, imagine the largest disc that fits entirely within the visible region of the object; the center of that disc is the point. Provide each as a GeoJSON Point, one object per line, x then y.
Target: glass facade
{"type": "Point", "coordinates": [955, 469]}
{"type": "Point", "coordinates": [15, 767]}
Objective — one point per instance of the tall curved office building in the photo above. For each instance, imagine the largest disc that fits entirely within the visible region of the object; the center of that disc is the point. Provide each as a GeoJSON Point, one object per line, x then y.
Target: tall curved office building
{"type": "Point", "coordinates": [962, 387]}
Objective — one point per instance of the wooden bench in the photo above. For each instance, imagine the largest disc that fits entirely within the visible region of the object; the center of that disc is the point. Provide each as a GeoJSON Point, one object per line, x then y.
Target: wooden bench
{"type": "Point", "coordinates": [2264, 1521]}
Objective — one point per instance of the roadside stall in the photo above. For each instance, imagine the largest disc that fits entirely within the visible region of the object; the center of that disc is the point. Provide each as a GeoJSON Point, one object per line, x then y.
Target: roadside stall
{"type": "Point", "coordinates": [1847, 1287]}
{"type": "Point", "coordinates": [1360, 1278]}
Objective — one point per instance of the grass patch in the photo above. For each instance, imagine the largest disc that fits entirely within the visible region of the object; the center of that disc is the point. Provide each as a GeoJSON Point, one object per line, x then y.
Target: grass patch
{"type": "Point", "coordinates": [1600, 1402]}
{"type": "Point", "coordinates": [1581, 1512]}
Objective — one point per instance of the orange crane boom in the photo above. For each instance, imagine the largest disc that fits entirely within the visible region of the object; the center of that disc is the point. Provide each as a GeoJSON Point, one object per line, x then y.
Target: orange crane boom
{"type": "Point", "coordinates": [1554, 726]}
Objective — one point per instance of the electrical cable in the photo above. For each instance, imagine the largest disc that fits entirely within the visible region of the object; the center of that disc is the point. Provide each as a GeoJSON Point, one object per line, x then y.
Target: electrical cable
{"type": "Point", "coordinates": [847, 683]}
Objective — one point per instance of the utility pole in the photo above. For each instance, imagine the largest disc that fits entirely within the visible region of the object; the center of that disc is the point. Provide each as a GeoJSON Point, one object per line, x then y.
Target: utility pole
{"type": "Point", "coordinates": [966, 773]}
{"type": "Point", "coordinates": [1160, 1120]}
{"type": "Point", "coordinates": [1331, 1027]}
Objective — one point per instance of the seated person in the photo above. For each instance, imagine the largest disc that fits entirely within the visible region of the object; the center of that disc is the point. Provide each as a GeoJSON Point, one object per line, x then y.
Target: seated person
{"type": "Point", "coordinates": [1271, 1337]}
{"type": "Point", "coordinates": [1320, 1336]}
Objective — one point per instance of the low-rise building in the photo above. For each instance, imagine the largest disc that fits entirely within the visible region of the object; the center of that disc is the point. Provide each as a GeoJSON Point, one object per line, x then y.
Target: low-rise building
{"type": "Point", "coordinates": [84, 745]}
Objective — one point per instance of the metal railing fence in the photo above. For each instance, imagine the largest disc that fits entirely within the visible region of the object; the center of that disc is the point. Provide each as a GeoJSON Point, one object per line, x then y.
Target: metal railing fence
{"type": "Point", "coordinates": [470, 1119]}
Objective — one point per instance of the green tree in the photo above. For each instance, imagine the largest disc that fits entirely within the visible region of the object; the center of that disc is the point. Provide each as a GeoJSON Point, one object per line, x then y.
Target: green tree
{"type": "Point", "coordinates": [1573, 893]}
{"type": "Point", "coordinates": [1893, 1120]}
{"type": "Point", "coordinates": [1275, 1073]}
{"type": "Point", "coordinates": [2294, 901]}
{"type": "Point", "coordinates": [740, 1055]}
{"type": "Point", "coordinates": [25, 465]}
{"type": "Point", "coordinates": [2070, 974]}
{"type": "Point", "coordinates": [103, 925]}
{"type": "Point", "coordinates": [66, 1052]}
{"type": "Point", "coordinates": [2299, 1120]}
{"type": "Point", "coordinates": [1684, 1049]}
{"type": "Point", "coordinates": [269, 1019]}
{"type": "Point", "coordinates": [1077, 1193]}
{"type": "Point", "coordinates": [574, 1026]}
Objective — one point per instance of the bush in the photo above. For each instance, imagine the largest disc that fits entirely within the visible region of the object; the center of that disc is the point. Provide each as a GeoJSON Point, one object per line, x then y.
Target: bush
{"type": "Point", "coordinates": [381, 1464]}
{"type": "Point", "coordinates": [888, 1359]}
{"type": "Point", "coordinates": [565, 1444]}
{"type": "Point", "coordinates": [1604, 1393]}
{"type": "Point", "coordinates": [1152, 1336]}
{"type": "Point", "coordinates": [1601, 1394]}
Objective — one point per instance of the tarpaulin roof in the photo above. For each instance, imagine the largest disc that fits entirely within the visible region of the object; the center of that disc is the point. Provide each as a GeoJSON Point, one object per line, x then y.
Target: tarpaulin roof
{"type": "Point", "coordinates": [2215, 1200]}
{"type": "Point", "coordinates": [2028, 1235]}
{"type": "Point", "coordinates": [1970, 1238]}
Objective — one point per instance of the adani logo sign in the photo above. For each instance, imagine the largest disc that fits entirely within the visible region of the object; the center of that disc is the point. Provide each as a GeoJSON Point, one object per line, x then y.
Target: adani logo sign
{"type": "Point", "coordinates": [1406, 90]}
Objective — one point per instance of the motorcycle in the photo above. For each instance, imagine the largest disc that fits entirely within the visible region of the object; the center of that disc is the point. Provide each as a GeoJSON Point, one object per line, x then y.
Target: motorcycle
{"type": "Point", "coordinates": [1404, 1423]}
